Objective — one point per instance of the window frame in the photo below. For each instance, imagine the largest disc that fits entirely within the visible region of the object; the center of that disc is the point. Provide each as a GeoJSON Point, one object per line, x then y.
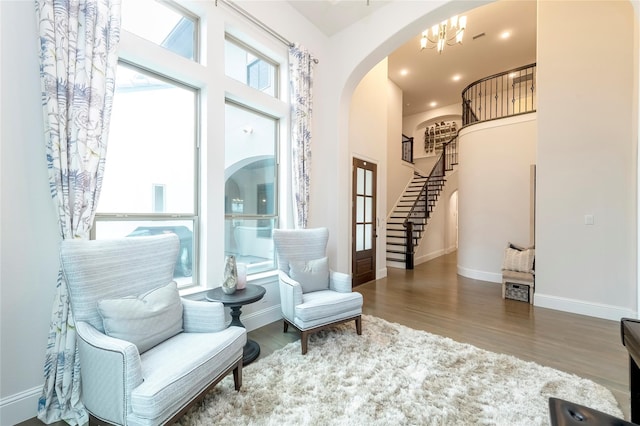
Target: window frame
{"type": "Point", "coordinates": [216, 26]}
{"type": "Point", "coordinates": [275, 216]}
{"type": "Point", "coordinates": [260, 56]}
{"type": "Point", "coordinates": [186, 14]}
{"type": "Point", "coordinates": [194, 217]}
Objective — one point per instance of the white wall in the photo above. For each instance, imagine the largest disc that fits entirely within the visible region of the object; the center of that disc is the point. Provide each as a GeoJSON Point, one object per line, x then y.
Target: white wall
{"type": "Point", "coordinates": [369, 122]}
{"type": "Point", "coordinates": [414, 125]}
{"type": "Point", "coordinates": [398, 172]}
{"type": "Point", "coordinates": [29, 231]}
{"type": "Point", "coordinates": [494, 190]}
{"type": "Point", "coordinates": [394, 161]}
{"type": "Point", "coordinates": [436, 240]}
{"type": "Point", "coordinates": [587, 159]}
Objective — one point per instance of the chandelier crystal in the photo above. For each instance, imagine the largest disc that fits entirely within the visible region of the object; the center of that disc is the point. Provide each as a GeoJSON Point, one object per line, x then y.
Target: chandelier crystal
{"type": "Point", "coordinates": [441, 34]}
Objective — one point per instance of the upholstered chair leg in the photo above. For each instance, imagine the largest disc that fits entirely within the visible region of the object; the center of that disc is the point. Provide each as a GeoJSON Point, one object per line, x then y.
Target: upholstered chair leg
{"type": "Point", "coordinates": [359, 325]}
{"type": "Point", "coordinates": [304, 337]}
{"type": "Point", "coordinates": [237, 375]}
{"type": "Point", "coordinates": [286, 326]}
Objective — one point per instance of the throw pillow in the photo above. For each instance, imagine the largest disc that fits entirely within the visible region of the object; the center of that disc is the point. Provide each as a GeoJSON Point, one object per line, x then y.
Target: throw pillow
{"type": "Point", "coordinates": [518, 260]}
{"type": "Point", "coordinates": [313, 275]}
{"type": "Point", "coordinates": [145, 320]}
{"type": "Point", "coordinates": [519, 247]}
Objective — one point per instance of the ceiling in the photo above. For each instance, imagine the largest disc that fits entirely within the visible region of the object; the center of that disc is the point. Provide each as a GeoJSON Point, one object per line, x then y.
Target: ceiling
{"type": "Point", "coordinates": [430, 75]}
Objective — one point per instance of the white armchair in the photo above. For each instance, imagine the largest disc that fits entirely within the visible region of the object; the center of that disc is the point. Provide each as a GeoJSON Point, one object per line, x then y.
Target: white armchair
{"type": "Point", "coordinates": [312, 297]}
{"type": "Point", "coordinates": [146, 355]}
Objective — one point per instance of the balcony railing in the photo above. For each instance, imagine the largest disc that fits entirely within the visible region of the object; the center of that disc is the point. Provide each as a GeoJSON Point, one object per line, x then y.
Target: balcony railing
{"type": "Point", "coordinates": [501, 95]}
{"type": "Point", "coordinates": [407, 149]}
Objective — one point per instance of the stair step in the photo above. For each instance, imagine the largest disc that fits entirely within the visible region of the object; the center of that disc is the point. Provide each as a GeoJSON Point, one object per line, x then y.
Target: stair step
{"type": "Point", "coordinates": [398, 248]}
{"type": "Point", "coordinates": [392, 252]}
{"type": "Point", "coordinates": [416, 205]}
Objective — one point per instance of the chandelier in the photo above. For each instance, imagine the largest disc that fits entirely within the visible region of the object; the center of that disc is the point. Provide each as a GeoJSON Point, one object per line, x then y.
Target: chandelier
{"type": "Point", "coordinates": [440, 34]}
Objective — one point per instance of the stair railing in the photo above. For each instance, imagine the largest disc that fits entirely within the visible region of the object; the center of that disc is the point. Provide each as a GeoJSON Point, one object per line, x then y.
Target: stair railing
{"type": "Point", "coordinates": [407, 149]}
{"type": "Point", "coordinates": [429, 192]}
{"type": "Point", "coordinates": [501, 95]}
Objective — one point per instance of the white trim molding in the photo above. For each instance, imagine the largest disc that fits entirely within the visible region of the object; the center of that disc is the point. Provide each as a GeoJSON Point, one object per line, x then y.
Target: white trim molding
{"type": "Point", "coordinates": [480, 275]}
{"type": "Point", "coordinates": [429, 256]}
{"type": "Point", "coordinates": [19, 407]}
{"type": "Point", "coordinates": [582, 307]}
{"type": "Point", "coordinates": [255, 320]}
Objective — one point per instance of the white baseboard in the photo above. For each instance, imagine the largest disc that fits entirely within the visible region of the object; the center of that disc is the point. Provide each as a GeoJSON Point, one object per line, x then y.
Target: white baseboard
{"type": "Point", "coordinates": [429, 256]}
{"type": "Point", "coordinates": [381, 273]}
{"type": "Point", "coordinates": [20, 407]}
{"type": "Point", "coordinates": [262, 317]}
{"type": "Point", "coordinates": [394, 264]}
{"type": "Point", "coordinates": [581, 307]}
{"type": "Point", "coordinates": [480, 275]}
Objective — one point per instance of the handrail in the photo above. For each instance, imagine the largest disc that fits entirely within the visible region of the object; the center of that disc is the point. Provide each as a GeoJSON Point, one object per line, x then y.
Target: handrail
{"type": "Point", "coordinates": [407, 149]}
{"type": "Point", "coordinates": [448, 158]}
{"type": "Point", "coordinates": [500, 95]}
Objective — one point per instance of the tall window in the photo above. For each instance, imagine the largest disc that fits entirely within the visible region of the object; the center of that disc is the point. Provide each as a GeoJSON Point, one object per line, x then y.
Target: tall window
{"type": "Point", "coordinates": [250, 185]}
{"type": "Point", "coordinates": [153, 180]}
{"type": "Point", "coordinates": [150, 180]}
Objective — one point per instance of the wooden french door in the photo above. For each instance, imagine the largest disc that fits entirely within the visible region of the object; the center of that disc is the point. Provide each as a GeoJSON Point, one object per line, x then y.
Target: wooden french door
{"type": "Point", "coordinates": [363, 232]}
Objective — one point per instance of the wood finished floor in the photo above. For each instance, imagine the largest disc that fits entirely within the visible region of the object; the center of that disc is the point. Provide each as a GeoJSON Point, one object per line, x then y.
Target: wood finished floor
{"type": "Point", "coordinates": [432, 297]}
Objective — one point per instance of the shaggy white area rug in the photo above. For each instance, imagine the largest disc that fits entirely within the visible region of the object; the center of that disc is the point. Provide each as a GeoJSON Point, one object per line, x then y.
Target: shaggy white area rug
{"type": "Point", "coordinates": [393, 375]}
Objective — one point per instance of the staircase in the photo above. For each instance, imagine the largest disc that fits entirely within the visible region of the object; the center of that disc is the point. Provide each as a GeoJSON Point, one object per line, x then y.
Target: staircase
{"type": "Point", "coordinates": [415, 207]}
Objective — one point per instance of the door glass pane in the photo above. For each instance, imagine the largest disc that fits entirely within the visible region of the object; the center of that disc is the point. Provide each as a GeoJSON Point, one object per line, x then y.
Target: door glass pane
{"type": "Point", "coordinates": [359, 209]}
{"type": "Point", "coordinates": [360, 181]}
{"type": "Point", "coordinates": [359, 237]}
{"type": "Point", "coordinates": [368, 210]}
{"type": "Point", "coordinates": [369, 183]}
{"type": "Point", "coordinates": [367, 237]}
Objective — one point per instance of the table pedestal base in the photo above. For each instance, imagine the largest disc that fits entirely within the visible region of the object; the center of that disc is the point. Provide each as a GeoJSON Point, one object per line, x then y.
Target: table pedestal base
{"type": "Point", "coordinates": [250, 352]}
{"type": "Point", "coordinates": [252, 293]}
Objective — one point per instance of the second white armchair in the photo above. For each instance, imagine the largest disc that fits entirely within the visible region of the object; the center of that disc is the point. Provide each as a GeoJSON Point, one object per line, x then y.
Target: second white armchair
{"type": "Point", "coordinates": [312, 297]}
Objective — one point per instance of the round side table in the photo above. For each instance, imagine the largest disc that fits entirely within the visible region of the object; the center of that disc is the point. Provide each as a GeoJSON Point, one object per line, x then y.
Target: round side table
{"type": "Point", "coordinates": [252, 293]}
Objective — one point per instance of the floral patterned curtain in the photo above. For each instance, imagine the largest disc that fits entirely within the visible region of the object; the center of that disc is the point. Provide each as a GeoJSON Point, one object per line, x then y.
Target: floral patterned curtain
{"type": "Point", "coordinates": [301, 74]}
{"type": "Point", "coordinates": [78, 58]}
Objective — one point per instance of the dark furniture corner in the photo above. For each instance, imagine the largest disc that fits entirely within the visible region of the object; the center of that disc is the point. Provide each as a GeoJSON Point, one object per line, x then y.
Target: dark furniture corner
{"type": "Point", "coordinates": [565, 413]}
{"type": "Point", "coordinates": [630, 333]}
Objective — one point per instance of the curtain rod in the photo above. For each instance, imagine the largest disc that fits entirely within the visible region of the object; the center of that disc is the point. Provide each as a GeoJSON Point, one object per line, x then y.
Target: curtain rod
{"type": "Point", "coordinates": [257, 22]}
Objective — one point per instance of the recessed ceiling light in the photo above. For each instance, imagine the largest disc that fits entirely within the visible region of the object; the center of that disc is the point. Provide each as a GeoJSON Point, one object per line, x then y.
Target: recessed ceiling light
{"type": "Point", "coordinates": [505, 35]}
{"type": "Point", "coordinates": [404, 71]}
{"type": "Point", "coordinates": [432, 104]}
{"type": "Point", "coordinates": [456, 77]}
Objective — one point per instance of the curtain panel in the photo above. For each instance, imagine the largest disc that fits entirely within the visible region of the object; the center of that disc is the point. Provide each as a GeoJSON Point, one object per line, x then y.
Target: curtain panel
{"type": "Point", "coordinates": [301, 75]}
{"type": "Point", "coordinates": [78, 58]}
